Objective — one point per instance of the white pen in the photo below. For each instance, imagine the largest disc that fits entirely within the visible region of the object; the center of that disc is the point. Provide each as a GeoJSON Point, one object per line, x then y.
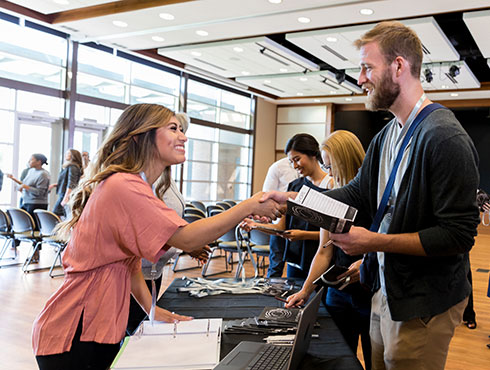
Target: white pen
{"type": "Point", "coordinates": [327, 243]}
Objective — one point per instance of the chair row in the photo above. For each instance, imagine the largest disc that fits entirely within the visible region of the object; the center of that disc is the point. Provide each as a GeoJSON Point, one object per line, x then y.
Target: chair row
{"type": "Point", "coordinates": [199, 208]}
{"type": "Point", "coordinates": [17, 224]}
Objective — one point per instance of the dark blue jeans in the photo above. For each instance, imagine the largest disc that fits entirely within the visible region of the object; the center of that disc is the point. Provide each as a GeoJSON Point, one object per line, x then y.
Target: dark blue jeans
{"type": "Point", "coordinates": [352, 321]}
{"type": "Point", "coordinates": [276, 264]}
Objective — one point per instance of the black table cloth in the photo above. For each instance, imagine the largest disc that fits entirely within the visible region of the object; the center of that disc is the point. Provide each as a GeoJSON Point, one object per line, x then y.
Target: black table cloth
{"type": "Point", "coordinates": [329, 351]}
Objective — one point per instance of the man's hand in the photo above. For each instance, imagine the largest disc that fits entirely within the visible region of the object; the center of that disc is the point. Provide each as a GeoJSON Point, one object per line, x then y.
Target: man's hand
{"type": "Point", "coordinates": [357, 241]}
{"type": "Point", "coordinates": [278, 196]}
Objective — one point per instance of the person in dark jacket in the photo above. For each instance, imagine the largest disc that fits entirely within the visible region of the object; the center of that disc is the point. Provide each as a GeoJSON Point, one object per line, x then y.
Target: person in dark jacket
{"type": "Point", "coordinates": [68, 180]}
{"type": "Point", "coordinates": [419, 253]}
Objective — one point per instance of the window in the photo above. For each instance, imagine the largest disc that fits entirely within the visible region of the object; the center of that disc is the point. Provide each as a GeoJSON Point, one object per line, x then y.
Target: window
{"type": "Point", "coordinates": [32, 56]}
{"type": "Point", "coordinates": [219, 160]}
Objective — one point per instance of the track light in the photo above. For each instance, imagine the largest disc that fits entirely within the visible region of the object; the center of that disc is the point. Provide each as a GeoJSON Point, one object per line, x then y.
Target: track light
{"type": "Point", "coordinates": [453, 71]}
{"type": "Point", "coordinates": [340, 76]}
{"type": "Point", "coordinates": [428, 75]}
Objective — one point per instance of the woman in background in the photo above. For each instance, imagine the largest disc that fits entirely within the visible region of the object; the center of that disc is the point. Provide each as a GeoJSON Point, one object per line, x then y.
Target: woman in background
{"type": "Point", "coordinates": [117, 220]}
{"type": "Point", "coordinates": [68, 180]}
{"type": "Point", "coordinates": [349, 307]}
{"type": "Point", "coordinates": [302, 238]}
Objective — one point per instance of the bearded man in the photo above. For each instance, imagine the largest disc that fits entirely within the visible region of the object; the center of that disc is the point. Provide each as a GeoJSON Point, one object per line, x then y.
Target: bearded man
{"type": "Point", "coordinates": [419, 242]}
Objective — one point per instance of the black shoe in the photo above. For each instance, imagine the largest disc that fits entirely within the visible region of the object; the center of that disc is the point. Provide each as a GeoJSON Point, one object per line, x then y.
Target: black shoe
{"type": "Point", "coordinates": [471, 324]}
{"type": "Point", "coordinates": [488, 345]}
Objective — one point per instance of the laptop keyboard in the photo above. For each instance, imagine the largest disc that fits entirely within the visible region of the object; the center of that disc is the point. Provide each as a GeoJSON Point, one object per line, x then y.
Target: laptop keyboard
{"type": "Point", "coordinates": [272, 358]}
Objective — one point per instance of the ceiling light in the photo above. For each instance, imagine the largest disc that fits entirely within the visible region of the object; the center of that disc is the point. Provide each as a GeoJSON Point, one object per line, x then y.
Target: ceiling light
{"type": "Point", "coordinates": [267, 81]}
{"type": "Point", "coordinates": [316, 100]}
{"type": "Point", "coordinates": [454, 94]}
{"type": "Point", "coordinates": [167, 16]}
{"type": "Point", "coordinates": [331, 39]}
{"type": "Point", "coordinates": [348, 99]}
{"type": "Point", "coordinates": [202, 33]}
{"type": "Point", "coordinates": [366, 11]}
{"type": "Point", "coordinates": [196, 53]}
{"type": "Point", "coordinates": [304, 20]}
{"type": "Point", "coordinates": [119, 24]}
{"type": "Point", "coordinates": [245, 73]}
{"type": "Point", "coordinates": [238, 49]}
{"type": "Point", "coordinates": [303, 79]}
{"type": "Point", "coordinates": [283, 70]}
{"type": "Point", "coordinates": [428, 75]}
{"type": "Point", "coordinates": [275, 1]}
{"type": "Point", "coordinates": [299, 94]}
{"type": "Point", "coordinates": [444, 87]}
{"type": "Point", "coordinates": [333, 92]}
{"type": "Point", "coordinates": [157, 38]}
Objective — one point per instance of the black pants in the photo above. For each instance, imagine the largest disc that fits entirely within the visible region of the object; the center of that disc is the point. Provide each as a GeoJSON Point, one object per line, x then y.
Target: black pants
{"type": "Point", "coordinates": [82, 355]}
{"type": "Point", "coordinates": [469, 312]}
{"type": "Point", "coordinates": [136, 313]}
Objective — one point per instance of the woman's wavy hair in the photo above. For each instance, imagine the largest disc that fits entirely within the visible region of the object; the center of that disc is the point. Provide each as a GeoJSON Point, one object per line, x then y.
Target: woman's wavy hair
{"type": "Point", "coordinates": [346, 155]}
{"type": "Point", "coordinates": [76, 159]}
{"type": "Point", "coordinates": [129, 148]}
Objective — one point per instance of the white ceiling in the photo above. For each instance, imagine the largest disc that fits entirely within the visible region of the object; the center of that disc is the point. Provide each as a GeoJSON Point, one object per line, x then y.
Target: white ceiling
{"type": "Point", "coordinates": [238, 23]}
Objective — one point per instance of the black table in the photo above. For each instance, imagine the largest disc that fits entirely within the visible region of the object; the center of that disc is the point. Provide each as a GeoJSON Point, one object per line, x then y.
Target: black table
{"type": "Point", "coordinates": [329, 351]}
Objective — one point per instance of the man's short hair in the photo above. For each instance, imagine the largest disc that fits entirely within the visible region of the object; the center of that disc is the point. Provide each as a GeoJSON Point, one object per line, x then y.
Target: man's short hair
{"type": "Point", "coordinates": [395, 39]}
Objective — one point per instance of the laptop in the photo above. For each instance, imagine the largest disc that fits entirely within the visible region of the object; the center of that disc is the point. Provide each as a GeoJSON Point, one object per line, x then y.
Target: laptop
{"type": "Point", "coordinates": [256, 355]}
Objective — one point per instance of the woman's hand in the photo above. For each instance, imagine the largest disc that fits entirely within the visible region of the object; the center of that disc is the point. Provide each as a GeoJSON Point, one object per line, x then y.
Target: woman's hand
{"type": "Point", "coordinates": [293, 235]}
{"type": "Point", "coordinates": [297, 299]}
{"type": "Point", "coordinates": [52, 186]}
{"type": "Point", "coordinates": [269, 209]}
{"type": "Point", "coordinates": [248, 224]}
{"type": "Point", "coordinates": [352, 273]}
{"type": "Point", "coordinates": [202, 255]}
{"type": "Point", "coordinates": [162, 314]}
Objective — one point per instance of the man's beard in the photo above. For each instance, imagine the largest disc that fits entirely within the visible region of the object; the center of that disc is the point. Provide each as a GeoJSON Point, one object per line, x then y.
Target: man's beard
{"type": "Point", "coordinates": [383, 95]}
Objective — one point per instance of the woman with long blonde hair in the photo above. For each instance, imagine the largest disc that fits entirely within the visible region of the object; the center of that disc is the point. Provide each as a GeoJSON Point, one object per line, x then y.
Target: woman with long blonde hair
{"type": "Point", "coordinates": [349, 304]}
{"type": "Point", "coordinates": [117, 220]}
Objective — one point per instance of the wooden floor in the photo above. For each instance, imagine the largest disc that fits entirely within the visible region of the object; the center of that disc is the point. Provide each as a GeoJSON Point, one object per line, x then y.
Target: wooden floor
{"type": "Point", "coordinates": [22, 297]}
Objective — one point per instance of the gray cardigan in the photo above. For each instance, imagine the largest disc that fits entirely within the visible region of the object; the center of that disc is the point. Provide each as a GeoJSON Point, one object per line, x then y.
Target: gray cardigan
{"type": "Point", "coordinates": [436, 199]}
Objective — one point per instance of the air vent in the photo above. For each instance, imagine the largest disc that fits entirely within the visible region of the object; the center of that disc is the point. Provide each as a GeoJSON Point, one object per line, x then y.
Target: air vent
{"type": "Point", "coordinates": [425, 50]}
{"type": "Point", "coordinates": [451, 78]}
{"type": "Point", "coordinates": [210, 64]}
{"type": "Point", "coordinates": [274, 88]}
{"type": "Point", "coordinates": [331, 51]}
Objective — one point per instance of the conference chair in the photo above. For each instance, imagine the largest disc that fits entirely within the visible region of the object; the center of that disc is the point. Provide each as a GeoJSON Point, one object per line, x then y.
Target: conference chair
{"type": "Point", "coordinates": [230, 202]}
{"type": "Point", "coordinates": [225, 205]}
{"type": "Point", "coordinates": [47, 223]}
{"type": "Point", "coordinates": [258, 245]}
{"type": "Point", "coordinates": [7, 235]}
{"type": "Point", "coordinates": [194, 211]}
{"type": "Point", "coordinates": [23, 227]}
{"type": "Point", "coordinates": [189, 218]}
{"type": "Point", "coordinates": [213, 207]}
{"type": "Point", "coordinates": [199, 204]}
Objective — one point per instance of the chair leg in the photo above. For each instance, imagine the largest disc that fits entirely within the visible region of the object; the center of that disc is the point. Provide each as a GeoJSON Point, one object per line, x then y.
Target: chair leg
{"type": "Point", "coordinates": [57, 257]}
{"type": "Point", "coordinates": [35, 248]}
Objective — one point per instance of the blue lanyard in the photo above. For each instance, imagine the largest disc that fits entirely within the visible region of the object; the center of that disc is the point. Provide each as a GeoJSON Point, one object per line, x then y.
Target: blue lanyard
{"type": "Point", "coordinates": [386, 194]}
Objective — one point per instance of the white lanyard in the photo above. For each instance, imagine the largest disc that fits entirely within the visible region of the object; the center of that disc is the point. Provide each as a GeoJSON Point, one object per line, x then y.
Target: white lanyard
{"type": "Point", "coordinates": [153, 275]}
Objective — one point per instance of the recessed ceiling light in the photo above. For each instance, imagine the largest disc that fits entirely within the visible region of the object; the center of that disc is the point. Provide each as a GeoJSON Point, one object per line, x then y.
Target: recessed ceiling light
{"type": "Point", "coordinates": [157, 38]}
{"type": "Point", "coordinates": [316, 100]}
{"type": "Point", "coordinates": [238, 49]}
{"type": "Point", "coordinates": [303, 79]}
{"type": "Point", "coordinates": [61, 2]}
{"type": "Point", "coordinates": [202, 33]}
{"type": "Point", "coordinates": [331, 39]}
{"type": "Point", "coordinates": [454, 94]}
{"type": "Point", "coordinates": [348, 99]}
{"type": "Point", "coordinates": [299, 94]}
{"type": "Point", "coordinates": [366, 11]}
{"type": "Point", "coordinates": [267, 81]}
{"type": "Point", "coordinates": [245, 73]}
{"type": "Point", "coordinates": [444, 87]}
{"type": "Point", "coordinates": [275, 1]}
{"type": "Point", "coordinates": [119, 24]}
{"type": "Point", "coordinates": [283, 70]}
{"type": "Point", "coordinates": [167, 16]}
{"type": "Point", "coordinates": [333, 92]}
{"type": "Point", "coordinates": [304, 20]}
{"type": "Point", "coordinates": [196, 53]}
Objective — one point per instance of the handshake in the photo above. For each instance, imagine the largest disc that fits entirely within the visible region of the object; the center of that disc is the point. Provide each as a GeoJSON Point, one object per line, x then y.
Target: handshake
{"type": "Point", "coordinates": [270, 205]}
